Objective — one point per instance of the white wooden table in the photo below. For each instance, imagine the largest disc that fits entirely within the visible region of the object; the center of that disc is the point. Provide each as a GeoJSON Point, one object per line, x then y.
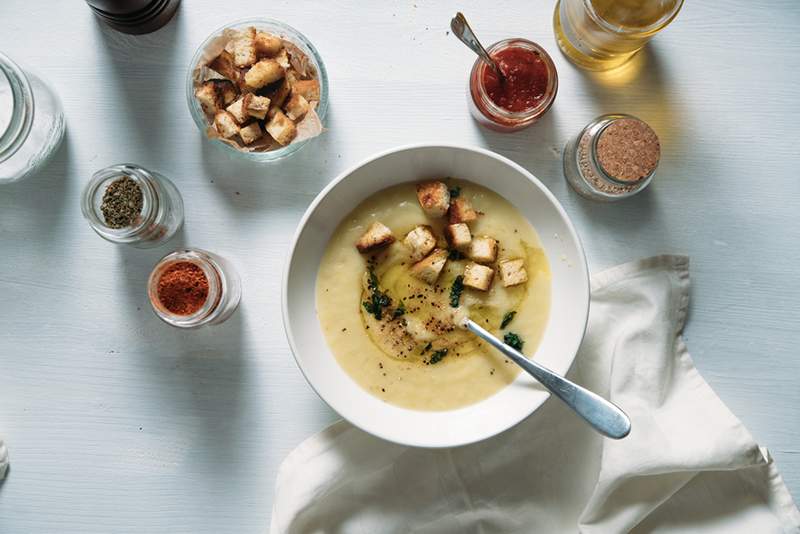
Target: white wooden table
{"type": "Point", "coordinates": [119, 423]}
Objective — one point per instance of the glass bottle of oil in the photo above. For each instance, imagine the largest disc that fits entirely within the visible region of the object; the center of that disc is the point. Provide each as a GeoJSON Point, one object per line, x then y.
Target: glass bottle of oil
{"type": "Point", "coordinates": [604, 34]}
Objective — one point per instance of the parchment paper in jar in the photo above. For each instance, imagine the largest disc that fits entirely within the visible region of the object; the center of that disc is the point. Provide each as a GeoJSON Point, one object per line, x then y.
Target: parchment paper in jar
{"type": "Point", "coordinates": [307, 128]}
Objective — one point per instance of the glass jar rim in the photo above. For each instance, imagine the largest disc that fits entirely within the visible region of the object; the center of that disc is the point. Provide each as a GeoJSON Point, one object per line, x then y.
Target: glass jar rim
{"type": "Point", "coordinates": [621, 30]}
{"type": "Point", "coordinates": [479, 67]}
{"type": "Point", "coordinates": [150, 201]}
{"type": "Point", "coordinates": [297, 38]}
{"type": "Point", "coordinates": [19, 127]}
{"type": "Point", "coordinates": [217, 287]}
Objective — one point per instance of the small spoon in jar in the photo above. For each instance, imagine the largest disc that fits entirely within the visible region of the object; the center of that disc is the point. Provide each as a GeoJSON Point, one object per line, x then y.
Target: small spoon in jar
{"type": "Point", "coordinates": [462, 30]}
{"type": "Point", "coordinates": [601, 414]}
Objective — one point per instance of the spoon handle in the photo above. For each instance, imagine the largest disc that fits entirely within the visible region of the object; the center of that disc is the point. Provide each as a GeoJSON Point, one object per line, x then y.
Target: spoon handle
{"type": "Point", "coordinates": [604, 416]}
{"type": "Point", "coordinates": [461, 29]}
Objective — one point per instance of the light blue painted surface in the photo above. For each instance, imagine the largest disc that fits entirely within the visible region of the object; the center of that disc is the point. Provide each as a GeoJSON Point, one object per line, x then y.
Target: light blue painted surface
{"type": "Point", "coordinates": [117, 423]}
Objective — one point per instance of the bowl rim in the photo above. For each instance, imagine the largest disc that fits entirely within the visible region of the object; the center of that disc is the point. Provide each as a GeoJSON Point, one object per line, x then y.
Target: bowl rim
{"type": "Point", "coordinates": [198, 117]}
{"type": "Point", "coordinates": [581, 264]}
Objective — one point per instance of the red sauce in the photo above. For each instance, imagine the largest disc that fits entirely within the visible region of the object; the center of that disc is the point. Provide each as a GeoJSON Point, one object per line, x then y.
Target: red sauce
{"type": "Point", "coordinates": [525, 83]}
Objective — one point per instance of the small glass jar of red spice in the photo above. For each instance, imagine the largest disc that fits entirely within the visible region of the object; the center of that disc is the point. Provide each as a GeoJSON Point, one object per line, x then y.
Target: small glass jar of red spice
{"type": "Point", "coordinates": [151, 215]}
{"type": "Point", "coordinates": [192, 287]}
{"type": "Point", "coordinates": [525, 94]}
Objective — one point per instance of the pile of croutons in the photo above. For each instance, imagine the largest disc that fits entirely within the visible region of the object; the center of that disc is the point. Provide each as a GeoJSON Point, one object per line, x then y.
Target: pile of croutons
{"type": "Point", "coordinates": [265, 87]}
{"type": "Point", "coordinates": [435, 199]}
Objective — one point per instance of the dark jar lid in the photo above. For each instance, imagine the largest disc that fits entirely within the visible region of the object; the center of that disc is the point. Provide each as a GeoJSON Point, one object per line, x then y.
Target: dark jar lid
{"type": "Point", "coordinates": [134, 16]}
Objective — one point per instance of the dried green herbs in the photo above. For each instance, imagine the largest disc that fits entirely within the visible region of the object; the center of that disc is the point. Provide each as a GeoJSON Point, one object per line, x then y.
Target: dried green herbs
{"type": "Point", "coordinates": [122, 202]}
{"type": "Point", "coordinates": [455, 192]}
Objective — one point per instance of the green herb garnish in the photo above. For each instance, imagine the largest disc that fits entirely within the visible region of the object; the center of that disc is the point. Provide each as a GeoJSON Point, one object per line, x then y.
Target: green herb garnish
{"type": "Point", "coordinates": [400, 310]}
{"type": "Point", "coordinates": [455, 291]}
{"type": "Point", "coordinates": [513, 340]}
{"type": "Point", "coordinates": [378, 300]}
{"type": "Point", "coordinates": [437, 356]}
{"type": "Point", "coordinates": [507, 318]}
{"type": "Point", "coordinates": [426, 348]}
{"type": "Point", "coordinates": [455, 192]}
{"type": "Point", "coordinates": [455, 255]}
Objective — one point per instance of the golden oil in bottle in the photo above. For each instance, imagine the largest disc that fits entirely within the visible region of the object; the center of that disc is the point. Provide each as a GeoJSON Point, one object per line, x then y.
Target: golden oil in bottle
{"type": "Point", "coordinates": [604, 34]}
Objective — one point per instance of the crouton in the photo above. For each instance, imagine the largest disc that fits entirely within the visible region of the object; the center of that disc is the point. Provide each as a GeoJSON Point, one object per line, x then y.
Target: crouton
{"type": "Point", "coordinates": [226, 91]}
{"type": "Point", "coordinates": [296, 107]}
{"type": "Point", "coordinates": [208, 97]}
{"type": "Point", "coordinates": [478, 276]}
{"type": "Point", "coordinates": [281, 128]}
{"type": "Point", "coordinates": [461, 211]}
{"type": "Point", "coordinates": [250, 133]}
{"type": "Point", "coordinates": [256, 106]}
{"type": "Point", "coordinates": [421, 241]}
{"type": "Point", "coordinates": [309, 89]}
{"type": "Point", "coordinates": [262, 73]}
{"type": "Point", "coordinates": [434, 197]}
{"type": "Point", "coordinates": [225, 66]}
{"type": "Point", "coordinates": [292, 76]}
{"type": "Point", "coordinates": [238, 111]}
{"type": "Point", "coordinates": [458, 235]}
{"type": "Point", "coordinates": [512, 272]}
{"type": "Point", "coordinates": [225, 124]}
{"type": "Point", "coordinates": [429, 269]}
{"type": "Point", "coordinates": [483, 249]}
{"type": "Point", "coordinates": [278, 97]}
{"type": "Point", "coordinates": [267, 45]}
{"type": "Point", "coordinates": [244, 51]}
{"type": "Point", "coordinates": [376, 236]}
{"type": "Point", "coordinates": [283, 59]}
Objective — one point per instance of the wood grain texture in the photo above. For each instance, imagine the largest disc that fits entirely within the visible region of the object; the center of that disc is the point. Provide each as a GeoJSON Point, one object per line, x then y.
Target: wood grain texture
{"type": "Point", "coordinates": [117, 423]}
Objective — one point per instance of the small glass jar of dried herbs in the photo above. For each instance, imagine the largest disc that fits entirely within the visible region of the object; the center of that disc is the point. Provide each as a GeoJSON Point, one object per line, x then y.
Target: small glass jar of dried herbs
{"type": "Point", "coordinates": [129, 204]}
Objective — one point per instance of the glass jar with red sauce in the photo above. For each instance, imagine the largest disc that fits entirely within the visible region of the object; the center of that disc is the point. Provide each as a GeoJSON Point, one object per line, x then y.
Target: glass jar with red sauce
{"type": "Point", "coordinates": [528, 91]}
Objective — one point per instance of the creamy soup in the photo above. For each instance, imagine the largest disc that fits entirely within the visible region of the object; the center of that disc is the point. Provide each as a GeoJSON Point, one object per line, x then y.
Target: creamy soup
{"type": "Point", "coordinates": [414, 355]}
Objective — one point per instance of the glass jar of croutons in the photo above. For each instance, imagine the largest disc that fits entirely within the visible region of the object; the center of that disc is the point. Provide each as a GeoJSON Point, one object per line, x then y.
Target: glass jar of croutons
{"type": "Point", "coordinates": [258, 88]}
{"type": "Point", "coordinates": [31, 122]}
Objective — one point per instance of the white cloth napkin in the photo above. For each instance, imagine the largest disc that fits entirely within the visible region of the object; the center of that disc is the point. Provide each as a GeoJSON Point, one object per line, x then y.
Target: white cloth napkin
{"type": "Point", "coordinates": [689, 465]}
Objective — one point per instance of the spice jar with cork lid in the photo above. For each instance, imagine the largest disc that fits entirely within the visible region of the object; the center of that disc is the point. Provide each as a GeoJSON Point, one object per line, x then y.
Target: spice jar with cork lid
{"type": "Point", "coordinates": [193, 287]}
{"type": "Point", "coordinates": [131, 205]}
{"type": "Point", "coordinates": [613, 157]}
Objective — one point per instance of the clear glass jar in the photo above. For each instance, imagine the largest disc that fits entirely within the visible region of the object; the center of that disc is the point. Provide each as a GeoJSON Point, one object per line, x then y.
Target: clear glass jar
{"type": "Point", "coordinates": [605, 169]}
{"type": "Point", "coordinates": [31, 122]}
{"type": "Point", "coordinates": [224, 289]}
{"type": "Point", "coordinates": [604, 34]}
{"type": "Point", "coordinates": [287, 33]}
{"type": "Point", "coordinates": [492, 116]}
{"type": "Point", "coordinates": [162, 207]}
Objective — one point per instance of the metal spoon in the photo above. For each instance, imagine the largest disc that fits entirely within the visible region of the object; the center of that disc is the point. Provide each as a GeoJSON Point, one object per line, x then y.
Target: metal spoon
{"type": "Point", "coordinates": [461, 29]}
{"type": "Point", "coordinates": [604, 416]}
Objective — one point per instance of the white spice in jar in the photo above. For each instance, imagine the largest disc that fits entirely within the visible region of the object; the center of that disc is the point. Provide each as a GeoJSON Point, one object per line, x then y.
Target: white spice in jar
{"type": "Point", "coordinates": [614, 157]}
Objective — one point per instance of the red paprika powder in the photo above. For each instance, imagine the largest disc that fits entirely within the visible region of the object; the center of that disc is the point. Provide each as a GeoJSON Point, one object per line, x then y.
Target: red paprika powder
{"type": "Point", "coordinates": [183, 288]}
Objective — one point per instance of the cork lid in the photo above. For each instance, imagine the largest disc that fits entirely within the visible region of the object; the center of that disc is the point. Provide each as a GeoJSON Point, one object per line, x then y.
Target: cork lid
{"type": "Point", "coordinates": [628, 150]}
